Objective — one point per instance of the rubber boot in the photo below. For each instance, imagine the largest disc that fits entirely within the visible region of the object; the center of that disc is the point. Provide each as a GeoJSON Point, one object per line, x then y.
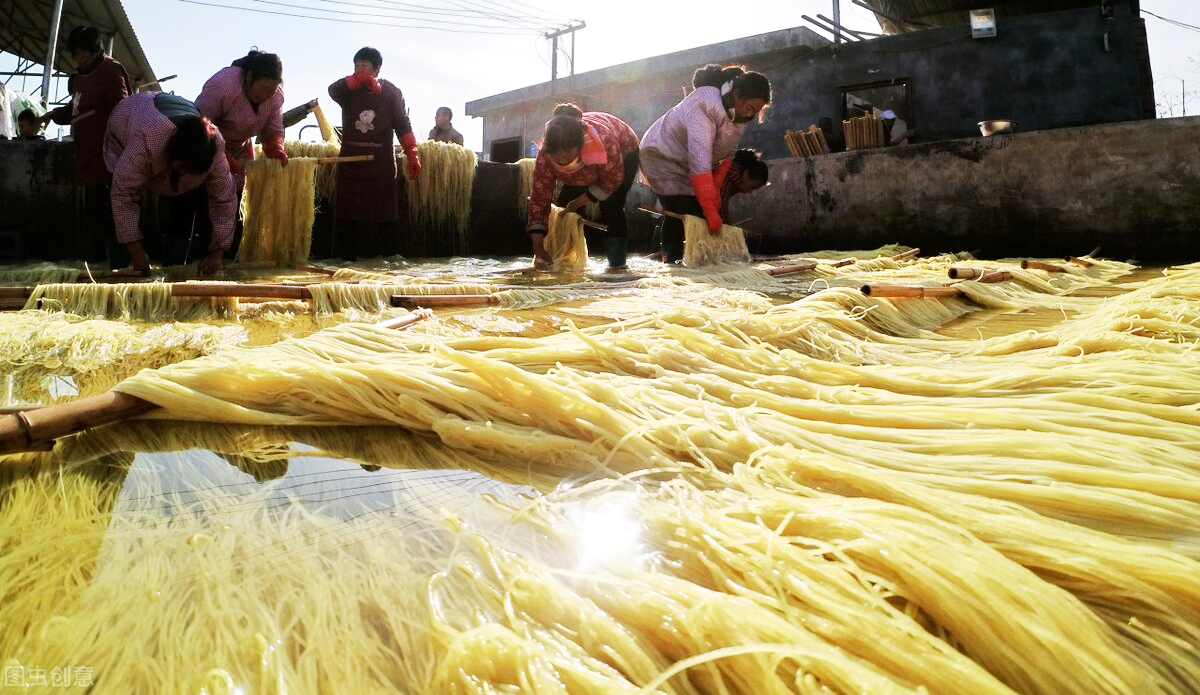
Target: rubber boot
{"type": "Point", "coordinates": [616, 248]}
{"type": "Point", "coordinates": [673, 242]}
{"type": "Point", "coordinates": [116, 253]}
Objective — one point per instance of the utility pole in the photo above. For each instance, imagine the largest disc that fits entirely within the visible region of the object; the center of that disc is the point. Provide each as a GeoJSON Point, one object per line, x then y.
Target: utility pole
{"type": "Point", "coordinates": [553, 36]}
{"type": "Point", "coordinates": [51, 47]}
{"type": "Point", "coordinates": [837, 21]}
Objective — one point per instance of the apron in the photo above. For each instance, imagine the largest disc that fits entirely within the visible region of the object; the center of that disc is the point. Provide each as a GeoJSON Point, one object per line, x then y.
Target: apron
{"type": "Point", "coordinates": [367, 191]}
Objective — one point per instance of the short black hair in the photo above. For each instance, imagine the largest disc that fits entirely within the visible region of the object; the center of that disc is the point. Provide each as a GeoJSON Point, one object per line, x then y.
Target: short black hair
{"type": "Point", "coordinates": [84, 38]}
{"type": "Point", "coordinates": [194, 144]}
{"type": "Point", "coordinates": [371, 55]}
{"type": "Point", "coordinates": [260, 66]}
{"type": "Point", "coordinates": [446, 110]}
{"type": "Point", "coordinates": [27, 115]}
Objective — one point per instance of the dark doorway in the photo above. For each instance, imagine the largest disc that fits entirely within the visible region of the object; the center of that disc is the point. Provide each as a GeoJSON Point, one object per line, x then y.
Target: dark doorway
{"type": "Point", "coordinates": [506, 151]}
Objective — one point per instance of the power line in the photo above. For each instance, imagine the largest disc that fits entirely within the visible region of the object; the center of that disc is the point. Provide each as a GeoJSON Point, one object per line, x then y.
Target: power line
{"type": "Point", "coordinates": [1172, 21]}
{"type": "Point", "coordinates": [370, 14]}
{"type": "Point", "coordinates": [462, 27]}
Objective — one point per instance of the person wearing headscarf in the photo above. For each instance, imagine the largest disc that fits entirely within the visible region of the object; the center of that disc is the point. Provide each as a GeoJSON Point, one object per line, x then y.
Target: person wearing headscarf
{"type": "Point", "coordinates": [160, 142]}
{"type": "Point", "coordinates": [594, 155]}
{"type": "Point", "coordinates": [682, 153]}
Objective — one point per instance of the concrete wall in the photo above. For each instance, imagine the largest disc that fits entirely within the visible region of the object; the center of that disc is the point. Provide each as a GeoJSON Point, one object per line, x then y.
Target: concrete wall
{"type": "Point", "coordinates": [1132, 189]}
{"type": "Point", "coordinates": [1048, 70]}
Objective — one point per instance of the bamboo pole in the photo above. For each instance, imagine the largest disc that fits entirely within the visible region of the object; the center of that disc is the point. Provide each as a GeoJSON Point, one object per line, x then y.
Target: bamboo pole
{"type": "Point", "coordinates": [442, 300]}
{"type": "Point", "coordinates": [1038, 265]}
{"type": "Point", "coordinates": [844, 262]}
{"type": "Point", "coordinates": [906, 255]}
{"type": "Point", "coordinates": [217, 289]}
{"type": "Point", "coordinates": [1078, 261]}
{"type": "Point", "coordinates": [964, 273]}
{"type": "Point", "coordinates": [910, 291]}
{"type": "Point", "coordinates": [15, 292]}
{"type": "Point", "coordinates": [656, 211]}
{"type": "Point", "coordinates": [787, 269]}
{"type": "Point", "coordinates": [345, 160]}
{"type": "Point", "coordinates": [33, 428]}
{"type": "Point", "coordinates": [791, 144]}
{"type": "Point", "coordinates": [996, 276]}
{"type": "Point", "coordinates": [20, 431]}
{"type": "Point", "coordinates": [318, 270]}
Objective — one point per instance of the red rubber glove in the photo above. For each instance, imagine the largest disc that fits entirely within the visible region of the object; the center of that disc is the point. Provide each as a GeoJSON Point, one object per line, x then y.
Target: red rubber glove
{"type": "Point", "coordinates": [372, 83]}
{"type": "Point", "coordinates": [721, 171]}
{"type": "Point", "coordinates": [357, 79]}
{"type": "Point", "coordinates": [409, 142]}
{"type": "Point", "coordinates": [706, 193]}
{"type": "Point", "coordinates": [273, 149]}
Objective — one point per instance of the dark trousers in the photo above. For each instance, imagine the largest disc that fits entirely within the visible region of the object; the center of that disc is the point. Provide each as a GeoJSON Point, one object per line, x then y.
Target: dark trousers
{"type": "Point", "coordinates": [188, 232]}
{"type": "Point", "coordinates": [353, 239]}
{"type": "Point", "coordinates": [97, 208]}
{"type": "Point", "coordinates": [672, 227]}
{"type": "Point", "coordinates": [612, 209]}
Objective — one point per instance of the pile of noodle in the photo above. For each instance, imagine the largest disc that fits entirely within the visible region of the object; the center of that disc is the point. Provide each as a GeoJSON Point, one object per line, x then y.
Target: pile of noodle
{"type": "Point", "coordinates": [279, 210]}
{"type": "Point", "coordinates": [701, 248]}
{"type": "Point", "coordinates": [722, 495]}
{"type": "Point", "coordinates": [440, 197]}
{"type": "Point", "coordinates": [565, 242]}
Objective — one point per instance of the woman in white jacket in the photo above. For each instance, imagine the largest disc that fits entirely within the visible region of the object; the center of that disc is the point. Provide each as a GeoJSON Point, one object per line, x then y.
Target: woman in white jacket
{"type": "Point", "coordinates": [686, 152]}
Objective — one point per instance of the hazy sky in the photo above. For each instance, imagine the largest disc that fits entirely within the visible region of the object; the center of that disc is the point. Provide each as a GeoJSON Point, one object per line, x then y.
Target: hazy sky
{"type": "Point", "coordinates": [451, 67]}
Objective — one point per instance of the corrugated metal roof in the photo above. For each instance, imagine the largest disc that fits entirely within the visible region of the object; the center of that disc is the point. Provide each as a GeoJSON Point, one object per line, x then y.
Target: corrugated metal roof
{"type": "Point", "coordinates": [24, 25]}
{"type": "Point", "coordinates": [941, 13]}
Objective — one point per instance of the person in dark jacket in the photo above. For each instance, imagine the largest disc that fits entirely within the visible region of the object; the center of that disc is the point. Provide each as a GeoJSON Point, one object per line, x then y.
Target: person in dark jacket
{"type": "Point", "coordinates": [97, 86]}
{"type": "Point", "coordinates": [367, 201]}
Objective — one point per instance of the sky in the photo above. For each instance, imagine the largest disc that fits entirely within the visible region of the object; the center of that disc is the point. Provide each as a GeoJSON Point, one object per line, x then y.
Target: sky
{"type": "Point", "coordinates": [457, 64]}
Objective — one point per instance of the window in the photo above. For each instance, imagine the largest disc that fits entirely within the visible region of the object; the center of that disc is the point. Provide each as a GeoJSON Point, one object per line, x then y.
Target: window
{"type": "Point", "coordinates": [506, 151]}
{"type": "Point", "coordinates": [876, 97]}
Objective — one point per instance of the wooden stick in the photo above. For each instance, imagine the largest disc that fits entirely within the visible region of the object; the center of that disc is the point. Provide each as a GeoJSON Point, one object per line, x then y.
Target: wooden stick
{"type": "Point", "coordinates": [1038, 265]}
{"type": "Point", "coordinates": [1079, 261]}
{"type": "Point", "coordinates": [319, 270]}
{"type": "Point", "coordinates": [965, 273]}
{"type": "Point", "coordinates": [31, 428]}
{"type": "Point", "coordinates": [656, 211]}
{"type": "Point", "coordinates": [344, 160]}
{"type": "Point", "coordinates": [996, 276]}
{"type": "Point", "coordinates": [844, 262]}
{"type": "Point", "coordinates": [786, 269]}
{"type": "Point", "coordinates": [906, 255]}
{"type": "Point", "coordinates": [442, 300]}
{"type": "Point", "coordinates": [791, 144]}
{"type": "Point", "coordinates": [910, 291]}
{"type": "Point", "coordinates": [118, 273]}
{"type": "Point", "coordinates": [589, 223]}
{"type": "Point", "coordinates": [15, 292]}
{"type": "Point", "coordinates": [217, 289]}
{"type": "Point", "coordinates": [407, 320]}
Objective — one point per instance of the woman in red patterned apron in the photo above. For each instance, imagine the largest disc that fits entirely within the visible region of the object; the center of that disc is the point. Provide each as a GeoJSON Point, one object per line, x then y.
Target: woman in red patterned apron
{"type": "Point", "coordinates": [367, 201]}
